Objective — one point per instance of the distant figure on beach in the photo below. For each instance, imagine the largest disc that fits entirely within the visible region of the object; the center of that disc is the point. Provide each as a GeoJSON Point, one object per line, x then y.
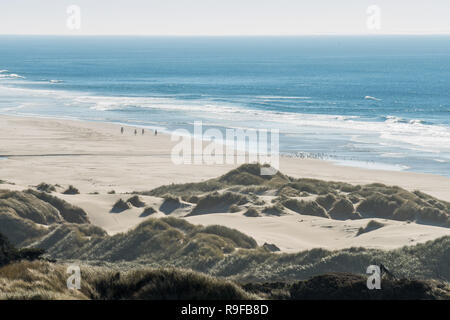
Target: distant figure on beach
{"type": "Point", "coordinates": [156, 132]}
{"type": "Point", "coordinates": [135, 132]}
{"type": "Point", "coordinates": [142, 131]}
{"type": "Point", "coordinates": [121, 130]}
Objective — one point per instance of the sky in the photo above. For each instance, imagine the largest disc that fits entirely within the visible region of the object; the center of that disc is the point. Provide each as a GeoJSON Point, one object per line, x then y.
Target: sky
{"type": "Point", "coordinates": [224, 17]}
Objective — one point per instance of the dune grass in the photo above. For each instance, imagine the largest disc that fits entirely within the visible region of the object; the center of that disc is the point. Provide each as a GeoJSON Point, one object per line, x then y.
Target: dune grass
{"type": "Point", "coordinates": [343, 286]}
{"type": "Point", "coordinates": [45, 187]}
{"type": "Point", "coordinates": [135, 201]}
{"type": "Point", "coordinates": [47, 281]}
{"type": "Point", "coordinates": [40, 280]}
{"type": "Point", "coordinates": [27, 206]}
{"type": "Point", "coordinates": [371, 226]}
{"type": "Point", "coordinates": [224, 252]}
{"type": "Point", "coordinates": [335, 200]}
{"type": "Point", "coordinates": [71, 190]}
{"type": "Point", "coordinates": [148, 211]}
{"type": "Point", "coordinates": [218, 202]}
{"type": "Point", "coordinates": [252, 212]}
{"type": "Point", "coordinates": [69, 212]}
{"type": "Point", "coordinates": [119, 206]}
{"type": "Point", "coordinates": [310, 208]}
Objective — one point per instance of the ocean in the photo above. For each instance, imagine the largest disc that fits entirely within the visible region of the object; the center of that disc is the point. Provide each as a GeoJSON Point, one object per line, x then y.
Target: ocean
{"type": "Point", "coordinates": [380, 102]}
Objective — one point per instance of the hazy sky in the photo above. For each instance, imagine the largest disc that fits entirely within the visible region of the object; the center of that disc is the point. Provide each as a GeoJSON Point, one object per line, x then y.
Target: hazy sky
{"type": "Point", "coordinates": [224, 17]}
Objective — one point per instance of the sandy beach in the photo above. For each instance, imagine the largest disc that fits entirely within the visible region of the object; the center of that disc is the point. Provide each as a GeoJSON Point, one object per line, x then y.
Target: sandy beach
{"type": "Point", "coordinates": [97, 158]}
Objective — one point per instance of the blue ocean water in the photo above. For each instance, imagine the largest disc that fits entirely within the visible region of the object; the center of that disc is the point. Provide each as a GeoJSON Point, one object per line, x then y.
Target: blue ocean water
{"type": "Point", "coordinates": [380, 101]}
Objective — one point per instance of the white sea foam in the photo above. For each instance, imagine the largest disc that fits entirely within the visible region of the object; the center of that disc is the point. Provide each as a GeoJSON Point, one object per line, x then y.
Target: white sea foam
{"type": "Point", "coordinates": [371, 165]}
{"type": "Point", "coordinates": [20, 106]}
{"type": "Point", "coordinates": [394, 131]}
{"type": "Point", "coordinates": [282, 97]}
{"type": "Point", "coordinates": [392, 155]}
{"type": "Point", "coordinates": [371, 98]}
{"type": "Point", "coordinates": [4, 75]}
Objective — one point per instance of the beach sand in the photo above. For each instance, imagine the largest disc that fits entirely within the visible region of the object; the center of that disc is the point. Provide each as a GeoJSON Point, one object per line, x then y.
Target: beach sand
{"type": "Point", "coordinates": [96, 157]}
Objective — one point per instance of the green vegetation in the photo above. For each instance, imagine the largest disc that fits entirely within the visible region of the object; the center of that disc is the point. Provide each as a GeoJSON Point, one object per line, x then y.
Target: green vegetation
{"type": "Point", "coordinates": [239, 239]}
{"type": "Point", "coordinates": [191, 199]}
{"type": "Point", "coordinates": [136, 202]}
{"type": "Point", "coordinates": [225, 252]}
{"type": "Point", "coordinates": [165, 284]}
{"type": "Point", "coordinates": [252, 212]}
{"type": "Point", "coordinates": [343, 286]}
{"type": "Point", "coordinates": [245, 175]}
{"type": "Point", "coordinates": [23, 214]}
{"type": "Point", "coordinates": [71, 190]}
{"type": "Point", "coordinates": [9, 254]}
{"type": "Point", "coordinates": [147, 212]}
{"type": "Point", "coordinates": [398, 204]}
{"type": "Point", "coordinates": [69, 212]}
{"type": "Point", "coordinates": [275, 210]}
{"type": "Point", "coordinates": [330, 199]}
{"type": "Point", "coordinates": [45, 187]}
{"type": "Point", "coordinates": [326, 201]}
{"type": "Point", "coordinates": [310, 208]}
{"type": "Point", "coordinates": [186, 189]}
{"type": "Point", "coordinates": [19, 231]}
{"type": "Point", "coordinates": [342, 210]}
{"type": "Point", "coordinates": [27, 206]}
{"type": "Point", "coordinates": [234, 208]}
{"type": "Point", "coordinates": [270, 247]}
{"type": "Point", "coordinates": [43, 280]}
{"type": "Point", "coordinates": [120, 206]}
{"type": "Point", "coordinates": [171, 203]}
{"type": "Point", "coordinates": [166, 241]}
{"type": "Point", "coordinates": [371, 226]}
{"type": "Point", "coordinates": [39, 220]}
{"type": "Point", "coordinates": [252, 189]}
{"type": "Point", "coordinates": [218, 202]}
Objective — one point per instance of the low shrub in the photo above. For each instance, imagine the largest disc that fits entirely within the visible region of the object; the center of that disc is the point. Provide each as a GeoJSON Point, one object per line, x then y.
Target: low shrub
{"type": "Point", "coordinates": [71, 190]}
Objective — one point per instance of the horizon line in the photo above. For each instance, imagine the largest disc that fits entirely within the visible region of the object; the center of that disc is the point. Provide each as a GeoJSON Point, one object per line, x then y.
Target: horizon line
{"type": "Point", "coordinates": [446, 33]}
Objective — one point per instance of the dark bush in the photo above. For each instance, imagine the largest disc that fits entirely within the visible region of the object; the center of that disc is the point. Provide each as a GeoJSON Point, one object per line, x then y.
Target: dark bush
{"type": "Point", "coordinates": [147, 212]}
{"type": "Point", "coordinates": [45, 187]}
{"type": "Point", "coordinates": [345, 286]}
{"type": "Point", "coordinates": [371, 226]}
{"type": "Point", "coordinates": [120, 206]}
{"type": "Point", "coordinates": [69, 212]}
{"type": "Point", "coordinates": [343, 209]}
{"type": "Point", "coordinates": [326, 201]}
{"type": "Point", "coordinates": [310, 208]}
{"type": "Point", "coordinates": [218, 202]}
{"type": "Point", "coordinates": [251, 212]}
{"type": "Point", "coordinates": [378, 206]}
{"type": "Point", "coordinates": [136, 202]}
{"type": "Point", "coordinates": [275, 210]}
{"type": "Point", "coordinates": [71, 190]}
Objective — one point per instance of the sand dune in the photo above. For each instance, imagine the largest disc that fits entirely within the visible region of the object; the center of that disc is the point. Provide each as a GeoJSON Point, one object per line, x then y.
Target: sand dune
{"type": "Point", "coordinates": [292, 233]}
{"type": "Point", "coordinates": [95, 157]}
